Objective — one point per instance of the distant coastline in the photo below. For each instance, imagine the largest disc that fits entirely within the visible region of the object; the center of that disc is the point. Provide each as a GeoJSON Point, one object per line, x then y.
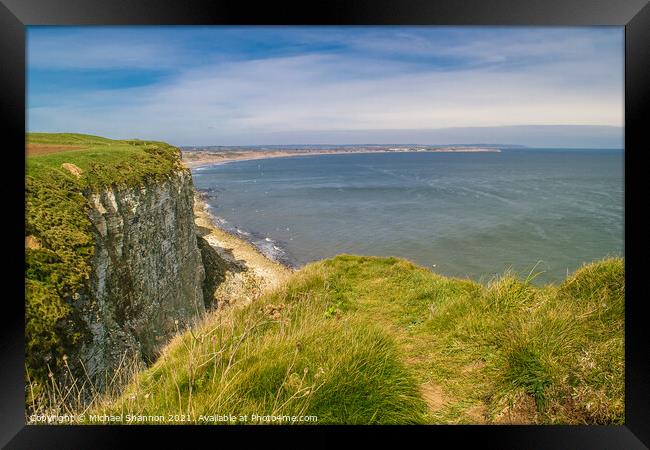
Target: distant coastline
{"type": "Point", "coordinates": [196, 158]}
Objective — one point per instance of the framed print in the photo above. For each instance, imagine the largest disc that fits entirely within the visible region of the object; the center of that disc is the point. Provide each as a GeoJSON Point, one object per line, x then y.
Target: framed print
{"type": "Point", "coordinates": [359, 217]}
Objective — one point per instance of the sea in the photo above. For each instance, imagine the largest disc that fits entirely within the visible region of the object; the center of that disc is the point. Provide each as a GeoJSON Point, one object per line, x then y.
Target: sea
{"type": "Point", "coordinates": [540, 213]}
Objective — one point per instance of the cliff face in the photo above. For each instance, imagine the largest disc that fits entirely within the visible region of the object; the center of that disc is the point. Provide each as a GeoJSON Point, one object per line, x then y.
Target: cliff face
{"type": "Point", "coordinates": [147, 272]}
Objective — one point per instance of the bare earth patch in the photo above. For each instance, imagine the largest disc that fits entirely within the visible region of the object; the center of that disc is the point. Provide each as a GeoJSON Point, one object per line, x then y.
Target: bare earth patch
{"type": "Point", "coordinates": [74, 170]}
{"type": "Point", "coordinates": [32, 242]}
{"type": "Point", "coordinates": [476, 413]}
{"type": "Point", "coordinates": [476, 365]}
{"type": "Point", "coordinates": [415, 360]}
{"type": "Point", "coordinates": [434, 395]}
{"type": "Point", "coordinates": [522, 411]}
{"type": "Point", "coordinates": [46, 149]}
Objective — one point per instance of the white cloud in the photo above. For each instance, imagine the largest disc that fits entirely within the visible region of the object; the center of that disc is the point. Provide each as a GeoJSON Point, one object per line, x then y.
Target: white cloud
{"type": "Point", "coordinates": [320, 92]}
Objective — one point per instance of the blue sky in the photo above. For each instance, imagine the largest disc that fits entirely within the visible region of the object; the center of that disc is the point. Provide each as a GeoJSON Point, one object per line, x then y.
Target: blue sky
{"type": "Point", "coordinates": [289, 85]}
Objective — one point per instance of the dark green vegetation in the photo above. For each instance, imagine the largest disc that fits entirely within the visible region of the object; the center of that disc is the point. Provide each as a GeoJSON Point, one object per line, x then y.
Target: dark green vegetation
{"type": "Point", "coordinates": [380, 340]}
{"type": "Point", "coordinates": [59, 242]}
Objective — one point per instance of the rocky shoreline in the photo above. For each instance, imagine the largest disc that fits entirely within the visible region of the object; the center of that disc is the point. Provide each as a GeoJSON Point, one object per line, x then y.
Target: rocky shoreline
{"type": "Point", "coordinates": [248, 272]}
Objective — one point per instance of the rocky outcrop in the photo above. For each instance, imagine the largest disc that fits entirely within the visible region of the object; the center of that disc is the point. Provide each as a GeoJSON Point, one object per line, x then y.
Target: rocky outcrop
{"type": "Point", "coordinates": [147, 275]}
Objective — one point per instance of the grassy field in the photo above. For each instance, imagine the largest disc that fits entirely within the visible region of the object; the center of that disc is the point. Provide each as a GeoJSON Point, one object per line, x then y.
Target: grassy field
{"type": "Point", "coordinates": [380, 340]}
{"type": "Point", "coordinates": [58, 236]}
{"type": "Point", "coordinates": [101, 161]}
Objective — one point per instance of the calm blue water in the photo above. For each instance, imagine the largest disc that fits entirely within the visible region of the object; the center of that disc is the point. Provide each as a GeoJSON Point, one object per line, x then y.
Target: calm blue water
{"type": "Point", "coordinates": [463, 214]}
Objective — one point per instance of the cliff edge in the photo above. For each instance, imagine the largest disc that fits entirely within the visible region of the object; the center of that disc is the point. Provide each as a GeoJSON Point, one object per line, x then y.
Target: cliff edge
{"type": "Point", "coordinates": [113, 268]}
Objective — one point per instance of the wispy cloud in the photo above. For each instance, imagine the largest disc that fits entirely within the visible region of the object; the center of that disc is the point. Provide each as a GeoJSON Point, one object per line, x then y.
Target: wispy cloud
{"type": "Point", "coordinates": [224, 86]}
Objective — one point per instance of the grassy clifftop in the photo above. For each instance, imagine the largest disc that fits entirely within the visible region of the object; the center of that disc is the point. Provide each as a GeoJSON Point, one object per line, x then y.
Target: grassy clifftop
{"type": "Point", "coordinates": [60, 169]}
{"type": "Point", "coordinates": [101, 161]}
{"type": "Point", "coordinates": [380, 340]}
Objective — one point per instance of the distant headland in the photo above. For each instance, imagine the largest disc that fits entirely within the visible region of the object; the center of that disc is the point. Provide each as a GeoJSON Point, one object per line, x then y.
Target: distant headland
{"type": "Point", "coordinates": [204, 155]}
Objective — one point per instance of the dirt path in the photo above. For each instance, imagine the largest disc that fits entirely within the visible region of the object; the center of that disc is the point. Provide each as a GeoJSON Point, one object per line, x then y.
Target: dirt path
{"type": "Point", "coordinates": [45, 149]}
{"type": "Point", "coordinates": [450, 384]}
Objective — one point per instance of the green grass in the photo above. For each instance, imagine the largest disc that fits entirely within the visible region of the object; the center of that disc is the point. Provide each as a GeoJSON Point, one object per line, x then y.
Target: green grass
{"type": "Point", "coordinates": [280, 358]}
{"type": "Point", "coordinates": [103, 161]}
{"type": "Point", "coordinates": [56, 205]}
{"type": "Point", "coordinates": [381, 340]}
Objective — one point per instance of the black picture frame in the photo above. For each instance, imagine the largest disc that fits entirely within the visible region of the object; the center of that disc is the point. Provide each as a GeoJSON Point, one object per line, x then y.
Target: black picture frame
{"type": "Point", "coordinates": [15, 15]}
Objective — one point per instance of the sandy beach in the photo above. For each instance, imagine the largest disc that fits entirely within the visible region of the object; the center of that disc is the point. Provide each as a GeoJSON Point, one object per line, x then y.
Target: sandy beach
{"type": "Point", "coordinates": [197, 160]}
{"type": "Point", "coordinates": [249, 273]}
{"type": "Point", "coordinates": [194, 159]}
